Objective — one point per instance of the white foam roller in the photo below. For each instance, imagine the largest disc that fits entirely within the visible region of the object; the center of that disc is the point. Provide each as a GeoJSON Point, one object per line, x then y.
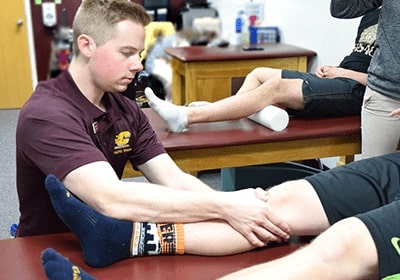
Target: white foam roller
{"type": "Point", "coordinates": [272, 117]}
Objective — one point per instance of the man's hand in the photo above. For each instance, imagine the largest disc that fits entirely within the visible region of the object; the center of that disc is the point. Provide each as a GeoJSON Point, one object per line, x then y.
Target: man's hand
{"type": "Point", "coordinates": [395, 113]}
{"type": "Point", "coordinates": [247, 211]}
{"type": "Point", "coordinates": [330, 72]}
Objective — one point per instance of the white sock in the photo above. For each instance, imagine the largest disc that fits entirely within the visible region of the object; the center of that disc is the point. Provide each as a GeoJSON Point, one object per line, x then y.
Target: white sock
{"type": "Point", "coordinates": [272, 117]}
{"type": "Point", "coordinates": [198, 103]}
{"type": "Point", "coordinates": [175, 116]}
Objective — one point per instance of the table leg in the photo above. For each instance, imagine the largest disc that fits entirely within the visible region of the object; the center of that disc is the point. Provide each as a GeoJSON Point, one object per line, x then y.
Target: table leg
{"type": "Point", "coordinates": [344, 160]}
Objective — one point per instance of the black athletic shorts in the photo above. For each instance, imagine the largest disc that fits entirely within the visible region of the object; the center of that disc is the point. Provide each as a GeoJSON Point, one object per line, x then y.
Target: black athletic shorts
{"type": "Point", "coordinates": [327, 97]}
{"type": "Point", "coordinates": [369, 190]}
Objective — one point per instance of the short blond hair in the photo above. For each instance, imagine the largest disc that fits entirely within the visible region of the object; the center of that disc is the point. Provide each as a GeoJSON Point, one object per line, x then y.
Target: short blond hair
{"type": "Point", "coordinates": [97, 19]}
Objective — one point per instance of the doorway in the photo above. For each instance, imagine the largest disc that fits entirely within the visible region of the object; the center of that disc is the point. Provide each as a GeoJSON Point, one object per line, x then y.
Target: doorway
{"type": "Point", "coordinates": [15, 66]}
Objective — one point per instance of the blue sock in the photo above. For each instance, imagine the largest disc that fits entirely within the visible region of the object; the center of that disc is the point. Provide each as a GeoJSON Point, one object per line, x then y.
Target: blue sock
{"type": "Point", "coordinates": [58, 267]}
{"type": "Point", "coordinates": [104, 240]}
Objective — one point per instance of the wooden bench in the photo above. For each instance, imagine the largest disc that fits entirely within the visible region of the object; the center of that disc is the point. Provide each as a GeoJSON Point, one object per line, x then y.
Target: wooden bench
{"type": "Point", "coordinates": [243, 142]}
{"type": "Point", "coordinates": [20, 259]}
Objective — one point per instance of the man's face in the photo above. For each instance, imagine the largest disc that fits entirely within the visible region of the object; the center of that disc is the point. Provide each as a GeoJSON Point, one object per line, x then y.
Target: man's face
{"type": "Point", "coordinates": [114, 64]}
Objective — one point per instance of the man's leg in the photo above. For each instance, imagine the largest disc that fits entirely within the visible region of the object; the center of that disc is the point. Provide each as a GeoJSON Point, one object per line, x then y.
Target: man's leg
{"type": "Point", "coordinates": [295, 202]}
{"type": "Point", "coordinates": [257, 77]}
{"type": "Point", "coordinates": [380, 132]}
{"type": "Point", "coordinates": [105, 240]}
{"type": "Point", "coordinates": [298, 204]}
{"type": "Point", "coordinates": [344, 251]}
{"type": "Point", "coordinates": [286, 92]}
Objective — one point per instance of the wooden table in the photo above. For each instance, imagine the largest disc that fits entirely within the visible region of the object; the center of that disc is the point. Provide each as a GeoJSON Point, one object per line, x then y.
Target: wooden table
{"type": "Point", "coordinates": [243, 142]}
{"type": "Point", "coordinates": [20, 259]}
{"type": "Point", "coordinates": [204, 73]}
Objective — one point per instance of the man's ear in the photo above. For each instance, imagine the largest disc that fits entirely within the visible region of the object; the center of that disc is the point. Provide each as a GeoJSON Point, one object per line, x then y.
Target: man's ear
{"type": "Point", "coordinates": [86, 45]}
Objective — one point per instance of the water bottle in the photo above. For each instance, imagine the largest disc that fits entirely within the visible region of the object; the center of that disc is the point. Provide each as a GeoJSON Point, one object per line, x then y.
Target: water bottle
{"type": "Point", "coordinates": [237, 40]}
{"type": "Point", "coordinates": [253, 34]}
{"type": "Point", "coordinates": [13, 230]}
{"type": "Point", "coordinates": [245, 27]}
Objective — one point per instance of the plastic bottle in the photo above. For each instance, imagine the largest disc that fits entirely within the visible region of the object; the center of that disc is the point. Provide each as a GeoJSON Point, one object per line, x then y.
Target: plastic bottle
{"type": "Point", "coordinates": [13, 230]}
{"type": "Point", "coordinates": [245, 27]}
{"type": "Point", "coordinates": [253, 36]}
{"type": "Point", "coordinates": [238, 30]}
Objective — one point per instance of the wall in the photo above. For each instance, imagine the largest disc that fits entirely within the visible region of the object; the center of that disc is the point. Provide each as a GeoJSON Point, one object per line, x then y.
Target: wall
{"type": "Point", "coordinates": [43, 36]}
{"type": "Point", "coordinates": [305, 23]}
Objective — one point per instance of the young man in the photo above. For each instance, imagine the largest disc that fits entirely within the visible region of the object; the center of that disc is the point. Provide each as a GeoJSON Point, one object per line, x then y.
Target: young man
{"type": "Point", "coordinates": [331, 91]}
{"type": "Point", "coordinates": [81, 129]}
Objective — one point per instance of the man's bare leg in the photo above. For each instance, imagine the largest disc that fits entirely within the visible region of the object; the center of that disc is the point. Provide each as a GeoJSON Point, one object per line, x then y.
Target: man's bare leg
{"type": "Point", "coordinates": [259, 76]}
{"type": "Point", "coordinates": [295, 202]}
{"type": "Point", "coordinates": [106, 240]}
{"type": "Point", "coordinates": [344, 251]}
{"type": "Point", "coordinates": [332, 255]}
{"type": "Point", "coordinates": [252, 99]}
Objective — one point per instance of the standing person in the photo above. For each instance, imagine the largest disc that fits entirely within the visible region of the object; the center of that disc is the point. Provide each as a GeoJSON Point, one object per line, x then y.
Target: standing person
{"type": "Point", "coordinates": [331, 91]}
{"type": "Point", "coordinates": [380, 114]}
{"type": "Point", "coordinates": [81, 129]}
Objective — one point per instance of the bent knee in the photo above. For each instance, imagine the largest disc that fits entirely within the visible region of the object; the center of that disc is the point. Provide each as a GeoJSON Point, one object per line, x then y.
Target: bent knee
{"type": "Point", "coordinates": [297, 203]}
{"type": "Point", "coordinates": [263, 74]}
{"type": "Point", "coordinates": [289, 193]}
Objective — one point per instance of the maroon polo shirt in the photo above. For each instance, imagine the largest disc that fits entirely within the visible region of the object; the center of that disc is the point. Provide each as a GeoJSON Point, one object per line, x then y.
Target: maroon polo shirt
{"type": "Point", "coordinates": [59, 130]}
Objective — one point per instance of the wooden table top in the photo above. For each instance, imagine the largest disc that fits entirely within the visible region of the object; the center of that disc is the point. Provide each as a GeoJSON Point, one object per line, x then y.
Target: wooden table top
{"type": "Point", "coordinates": [245, 131]}
{"type": "Point", "coordinates": [204, 53]}
{"type": "Point", "coordinates": [20, 259]}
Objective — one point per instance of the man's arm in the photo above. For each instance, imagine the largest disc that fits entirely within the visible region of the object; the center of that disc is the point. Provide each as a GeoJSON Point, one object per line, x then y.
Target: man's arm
{"type": "Point", "coordinates": [246, 211]}
{"type": "Point", "coordinates": [162, 170]}
{"type": "Point", "coordinates": [353, 8]}
{"type": "Point", "coordinates": [331, 72]}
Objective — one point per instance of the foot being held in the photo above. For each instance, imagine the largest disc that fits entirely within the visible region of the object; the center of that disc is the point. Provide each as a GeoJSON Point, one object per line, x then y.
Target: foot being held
{"type": "Point", "coordinates": [57, 267]}
{"type": "Point", "coordinates": [175, 116]}
{"type": "Point", "coordinates": [104, 240]}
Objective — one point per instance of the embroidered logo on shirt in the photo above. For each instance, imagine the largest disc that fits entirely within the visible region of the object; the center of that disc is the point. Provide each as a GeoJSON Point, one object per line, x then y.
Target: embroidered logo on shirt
{"type": "Point", "coordinates": [122, 142]}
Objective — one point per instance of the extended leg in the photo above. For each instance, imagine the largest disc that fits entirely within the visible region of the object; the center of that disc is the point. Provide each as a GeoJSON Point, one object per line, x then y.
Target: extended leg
{"type": "Point", "coordinates": [105, 240]}
{"type": "Point", "coordinates": [275, 91]}
{"type": "Point", "coordinates": [344, 251]}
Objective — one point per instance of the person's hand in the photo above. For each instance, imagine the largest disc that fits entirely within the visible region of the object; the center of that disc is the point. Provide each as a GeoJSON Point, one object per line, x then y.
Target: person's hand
{"type": "Point", "coordinates": [330, 72]}
{"type": "Point", "coordinates": [395, 113]}
{"type": "Point", "coordinates": [248, 212]}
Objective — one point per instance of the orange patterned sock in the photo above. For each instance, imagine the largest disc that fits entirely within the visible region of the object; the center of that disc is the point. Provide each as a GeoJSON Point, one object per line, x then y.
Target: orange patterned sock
{"type": "Point", "coordinates": [155, 239]}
